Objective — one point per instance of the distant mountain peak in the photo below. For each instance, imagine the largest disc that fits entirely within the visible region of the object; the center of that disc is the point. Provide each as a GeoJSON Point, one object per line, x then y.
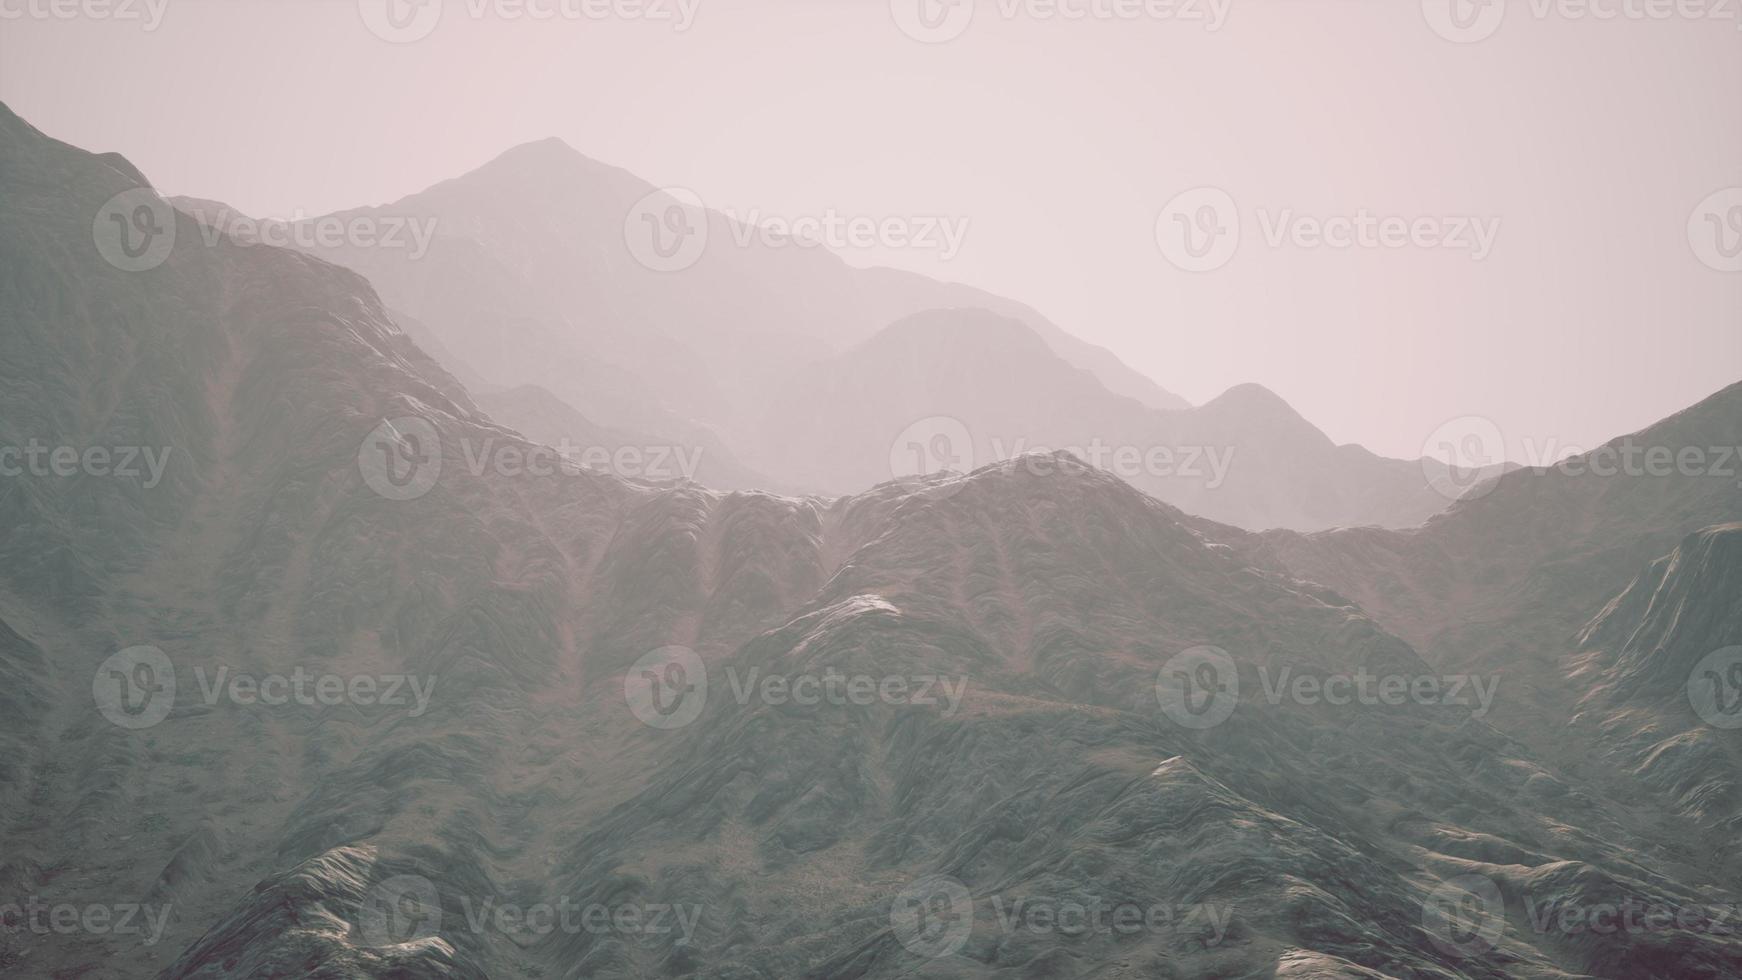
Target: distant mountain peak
{"type": "Point", "coordinates": [964, 324]}
{"type": "Point", "coordinates": [1253, 395]}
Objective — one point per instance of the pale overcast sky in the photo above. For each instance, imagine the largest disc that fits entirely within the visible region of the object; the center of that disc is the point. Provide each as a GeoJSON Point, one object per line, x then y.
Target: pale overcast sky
{"type": "Point", "coordinates": [1577, 305]}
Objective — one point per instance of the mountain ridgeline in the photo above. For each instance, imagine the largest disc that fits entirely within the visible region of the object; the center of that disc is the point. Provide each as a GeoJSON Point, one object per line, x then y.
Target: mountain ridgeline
{"type": "Point", "coordinates": [1024, 721]}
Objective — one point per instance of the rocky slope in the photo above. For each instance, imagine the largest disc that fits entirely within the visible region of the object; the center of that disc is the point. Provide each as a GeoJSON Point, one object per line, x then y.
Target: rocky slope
{"type": "Point", "coordinates": [953, 726]}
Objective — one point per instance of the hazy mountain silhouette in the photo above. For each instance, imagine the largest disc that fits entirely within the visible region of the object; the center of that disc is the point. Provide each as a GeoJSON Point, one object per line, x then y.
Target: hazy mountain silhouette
{"type": "Point", "coordinates": [529, 281]}
{"type": "Point", "coordinates": [1292, 838]}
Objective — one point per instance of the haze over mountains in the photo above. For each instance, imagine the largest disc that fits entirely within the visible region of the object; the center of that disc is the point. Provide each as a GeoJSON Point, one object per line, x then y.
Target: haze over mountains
{"type": "Point", "coordinates": [1045, 751]}
{"type": "Point", "coordinates": [531, 271]}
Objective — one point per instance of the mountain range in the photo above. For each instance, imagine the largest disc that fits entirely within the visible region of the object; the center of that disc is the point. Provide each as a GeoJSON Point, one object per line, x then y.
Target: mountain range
{"type": "Point", "coordinates": [1080, 699]}
{"type": "Point", "coordinates": [529, 277]}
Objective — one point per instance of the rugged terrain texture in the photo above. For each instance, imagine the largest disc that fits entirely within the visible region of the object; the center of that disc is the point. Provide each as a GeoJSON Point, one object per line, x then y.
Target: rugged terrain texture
{"type": "Point", "coordinates": [1292, 838]}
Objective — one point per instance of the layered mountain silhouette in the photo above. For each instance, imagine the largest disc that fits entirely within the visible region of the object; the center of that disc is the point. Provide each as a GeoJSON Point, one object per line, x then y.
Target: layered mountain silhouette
{"type": "Point", "coordinates": [1061, 757]}
{"type": "Point", "coordinates": [529, 280]}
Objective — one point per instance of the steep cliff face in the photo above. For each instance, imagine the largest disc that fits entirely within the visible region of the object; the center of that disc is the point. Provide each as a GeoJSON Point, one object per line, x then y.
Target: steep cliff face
{"type": "Point", "coordinates": [1661, 667]}
{"type": "Point", "coordinates": [922, 730]}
